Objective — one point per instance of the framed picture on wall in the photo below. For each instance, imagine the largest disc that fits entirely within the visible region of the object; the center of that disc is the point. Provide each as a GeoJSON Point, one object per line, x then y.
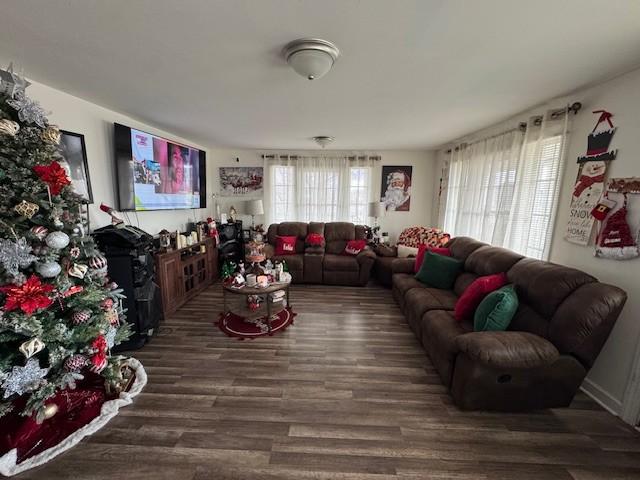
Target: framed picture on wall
{"type": "Point", "coordinates": [241, 181]}
{"type": "Point", "coordinates": [74, 153]}
{"type": "Point", "coordinates": [395, 190]}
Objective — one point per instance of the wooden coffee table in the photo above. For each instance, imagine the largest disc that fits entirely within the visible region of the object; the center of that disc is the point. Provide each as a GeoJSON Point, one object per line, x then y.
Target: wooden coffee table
{"type": "Point", "coordinates": [234, 300]}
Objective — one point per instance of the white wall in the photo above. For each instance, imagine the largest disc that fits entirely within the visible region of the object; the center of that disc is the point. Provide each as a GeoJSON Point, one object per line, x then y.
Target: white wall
{"type": "Point", "coordinates": [609, 376]}
{"type": "Point", "coordinates": [393, 222]}
{"type": "Point", "coordinates": [96, 124]}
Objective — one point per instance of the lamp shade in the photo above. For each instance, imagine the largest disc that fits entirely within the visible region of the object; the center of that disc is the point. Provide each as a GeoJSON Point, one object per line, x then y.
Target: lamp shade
{"type": "Point", "coordinates": [375, 209]}
{"type": "Point", "coordinates": [254, 207]}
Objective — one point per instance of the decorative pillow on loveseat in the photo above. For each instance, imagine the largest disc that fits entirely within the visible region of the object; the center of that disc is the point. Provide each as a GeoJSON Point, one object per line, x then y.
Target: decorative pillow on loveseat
{"type": "Point", "coordinates": [285, 245]}
{"type": "Point", "coordinates": [496, 310]}
{"type": "Point", "coordinates": [354, 247]}
{"type": "Point", "coordinates": [475, 293]}
{"type": "Point", "coordinates": [439, 271]}
{"type": "Point", "coordinates": [426, 248]}
{"type": "Point", "coordinates": [314, 240]}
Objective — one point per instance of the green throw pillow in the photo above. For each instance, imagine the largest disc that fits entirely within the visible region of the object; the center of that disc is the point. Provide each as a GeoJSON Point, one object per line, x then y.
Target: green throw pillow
{"type": "Point", "coordinates": [439, 271]}
{"type": "Point", "coordinates": [496, 310]}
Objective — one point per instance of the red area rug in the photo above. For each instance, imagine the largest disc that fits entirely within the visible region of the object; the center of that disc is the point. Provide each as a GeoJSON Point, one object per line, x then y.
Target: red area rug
{"type": "Point", "coordinates": [236, 326]}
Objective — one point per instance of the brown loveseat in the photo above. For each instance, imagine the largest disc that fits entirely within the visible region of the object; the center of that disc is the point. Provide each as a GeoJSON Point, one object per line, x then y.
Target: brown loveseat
{"type": "Point", "coordinates": [563, 320]}
{"type": "Point", "coordinates": [323, 265]}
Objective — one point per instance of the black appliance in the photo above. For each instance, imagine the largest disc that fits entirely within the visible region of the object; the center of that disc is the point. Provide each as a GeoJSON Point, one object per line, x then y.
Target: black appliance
{"type": "Point", "coordinates": [129, 253]}
{"type": "Point", "coordinates": [231, 247]}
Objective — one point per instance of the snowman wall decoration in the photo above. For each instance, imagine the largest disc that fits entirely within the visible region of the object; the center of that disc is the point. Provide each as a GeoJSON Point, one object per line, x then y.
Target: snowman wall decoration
{"type": "Point", "coordinates": [589, 185]}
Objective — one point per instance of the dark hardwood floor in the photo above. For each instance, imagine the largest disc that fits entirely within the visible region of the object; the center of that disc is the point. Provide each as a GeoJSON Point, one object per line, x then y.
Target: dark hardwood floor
{"type": "Point", "coordinates": [345, 393]}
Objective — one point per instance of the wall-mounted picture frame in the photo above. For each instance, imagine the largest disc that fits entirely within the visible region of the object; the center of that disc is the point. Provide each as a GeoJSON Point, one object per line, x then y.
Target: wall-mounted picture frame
{"type": "Point", "coordinates": [74, 154]}
{"type": "Point", "coordinates": [395, 188]}
{"type": "Point", "coordinates": [238, 181]}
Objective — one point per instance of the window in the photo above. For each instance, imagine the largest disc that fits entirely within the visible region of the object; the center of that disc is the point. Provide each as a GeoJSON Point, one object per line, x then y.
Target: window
{"type": "Point", "coordinates": [504, 191]}
{"type": "Point", "coordinates": [535, 209]}
{"type": "Point", "coordinates": [320, 190]}
{"type": "Point", "coordinates": [359, 191]}
{"type": "Point", "coordinates": [283, 193]}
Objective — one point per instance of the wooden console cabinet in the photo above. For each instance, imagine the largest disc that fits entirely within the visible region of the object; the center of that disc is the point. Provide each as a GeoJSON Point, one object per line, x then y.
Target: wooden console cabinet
{"type": "Point", "coordinates": [183, 273]}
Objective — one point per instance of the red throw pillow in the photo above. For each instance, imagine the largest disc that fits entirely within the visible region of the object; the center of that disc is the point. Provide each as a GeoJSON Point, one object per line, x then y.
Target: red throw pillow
{"type": "Point", "coordinates": [314, 240]}
{"type": "Point", "coordinates": [285, 245]}
{"type": "Point", "coordinates": [354, 247]}
{"type": "Point", "coordinates": [423, 248]}
{"type": "Point", "coordinates": [473, 295]}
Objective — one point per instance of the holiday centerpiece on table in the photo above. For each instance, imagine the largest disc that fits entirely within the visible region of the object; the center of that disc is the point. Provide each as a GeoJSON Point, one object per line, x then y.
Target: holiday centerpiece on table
{"type": "Point", "coordinates": [60, 315]}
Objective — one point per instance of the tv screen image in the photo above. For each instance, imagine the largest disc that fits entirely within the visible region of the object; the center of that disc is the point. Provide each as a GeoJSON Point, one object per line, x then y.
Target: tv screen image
{"type": "Point", "coordinates": [158, 174]}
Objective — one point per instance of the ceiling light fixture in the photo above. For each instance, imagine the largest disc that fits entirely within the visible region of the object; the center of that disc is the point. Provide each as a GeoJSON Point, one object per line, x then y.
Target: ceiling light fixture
{"type": "Point", "coordinates": [311, 57]}
{"type": "Point", "coordinates": [323, 140]}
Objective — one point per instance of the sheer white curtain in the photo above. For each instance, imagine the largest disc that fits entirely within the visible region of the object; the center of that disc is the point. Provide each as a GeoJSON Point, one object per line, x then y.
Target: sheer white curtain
{"type": "Point", "coordinates": [481, 181]}
{"type": "Point", "coordinates": [504, 189]}
{"type": "Point", "coordinates": [317, 188]}
{"type": "Point", "coordinates": [535, 198]}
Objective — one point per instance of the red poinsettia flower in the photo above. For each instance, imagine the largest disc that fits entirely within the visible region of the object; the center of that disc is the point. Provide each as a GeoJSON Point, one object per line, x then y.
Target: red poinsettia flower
{"type": "Point", "coordinates": [53, 175]}
{"type": "Point", "coordinates": [28, 297]}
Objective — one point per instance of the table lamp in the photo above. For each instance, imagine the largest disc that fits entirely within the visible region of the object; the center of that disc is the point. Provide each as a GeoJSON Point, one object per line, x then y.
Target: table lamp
{"type": "Point", "coordinates": [376, 210]}
{"type": "Point", "coordinates": [253, 208]}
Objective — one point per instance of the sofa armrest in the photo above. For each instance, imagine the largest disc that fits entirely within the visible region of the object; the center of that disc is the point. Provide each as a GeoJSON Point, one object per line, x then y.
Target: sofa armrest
{"type": "Point", "coordinates": [508, 349]}
{"type": "Point", "coordinates": [403, 265]}
{"type": "Point", "coordinates": [268, 250]}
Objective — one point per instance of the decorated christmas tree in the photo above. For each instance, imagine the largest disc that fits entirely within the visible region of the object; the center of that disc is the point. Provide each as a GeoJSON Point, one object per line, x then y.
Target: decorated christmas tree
{"type": "Point", "coordinates": [60, 315]}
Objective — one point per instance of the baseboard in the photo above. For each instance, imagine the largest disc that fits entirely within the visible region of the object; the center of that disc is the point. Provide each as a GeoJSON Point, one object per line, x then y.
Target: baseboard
{"type": "Point", "coordinates": [602, 397]}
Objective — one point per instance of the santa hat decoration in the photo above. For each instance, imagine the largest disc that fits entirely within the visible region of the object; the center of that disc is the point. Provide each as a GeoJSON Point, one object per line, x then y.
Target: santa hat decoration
{"type": "Point", "coordinates": [616, 240]}
{"type": "Point", "coordinates": [400, 177]}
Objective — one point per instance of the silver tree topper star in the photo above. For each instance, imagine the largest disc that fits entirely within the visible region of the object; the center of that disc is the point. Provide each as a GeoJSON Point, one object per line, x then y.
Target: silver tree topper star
{"type": "Point", "coordinates": [12, 83]}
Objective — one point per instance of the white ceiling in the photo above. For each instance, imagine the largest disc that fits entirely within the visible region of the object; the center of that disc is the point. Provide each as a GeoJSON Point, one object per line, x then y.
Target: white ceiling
{"type": "Point", "coordinates": [413, 74]}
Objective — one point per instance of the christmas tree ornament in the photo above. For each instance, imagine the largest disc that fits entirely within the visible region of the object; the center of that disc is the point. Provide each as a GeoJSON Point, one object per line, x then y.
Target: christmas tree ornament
{"type": "Point", "coordinates": [98, 362]}
{"type": "Point", "coordinates": [81, 316]}
{"type": "Point", "coordinates": [54, 176]}
{"type": "Point", "coordinates": [26, 209]}
{"type": "Point", "coordinates": [57, 240]}
{"type": "Point", "coordinates": [29, 111]}
{"type": "Point", "coordinates": [75, 362]}
{"type": "Point", "coordinates": [110, 337]}
{"type": "Point", "coordinates": [112, 317]}
{"type": "Point", "coordinates": [29, 297]}
{"type": "Point", "coordinates": [24, 379]}
{"type": "Point", "coordinates": [11, 83]}
{"type": "Point", "coordinates": [49, 411]}
{"type": "Point", "coordinates": [74, 252]}
{"type": "Point", "coordinates": [15, 255]}
{"type": "Point", "coordinates": [51, 134]}
{"type": "Point", "coordinates": [72, 291]}
{"type": "Point", "coordinates": [57, 222]}
{"type": "Point", "coordinates": [78, 270]}
{"type": "Point", "coordinates": [9, 127]}
{"type": "Point", "coordinates": [31, 347]}
{"type": "Point", "coordinates": [107, 304]}
{"type": "Point", "coordinates": [48, 269]}
{"type": "Point", "coordinates": [40, 232]}
{"type": "Point", "coordinates": [98, 262]}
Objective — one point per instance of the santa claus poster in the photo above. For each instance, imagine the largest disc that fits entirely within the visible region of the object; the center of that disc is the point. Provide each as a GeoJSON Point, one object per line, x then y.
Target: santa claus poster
{"type": "Point", "coordinates": [395, 190]}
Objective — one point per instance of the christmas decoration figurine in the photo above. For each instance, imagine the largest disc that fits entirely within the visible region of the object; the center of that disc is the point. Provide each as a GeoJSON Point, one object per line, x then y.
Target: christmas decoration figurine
{"type": "Point", "coordinates": [54, 334]}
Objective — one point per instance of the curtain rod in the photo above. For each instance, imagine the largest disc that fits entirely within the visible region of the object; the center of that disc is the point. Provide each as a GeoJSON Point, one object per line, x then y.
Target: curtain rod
{"type": "Point", "coordinates": [537, 121]}
{"type": "Point", "coordinates": [349, 157]}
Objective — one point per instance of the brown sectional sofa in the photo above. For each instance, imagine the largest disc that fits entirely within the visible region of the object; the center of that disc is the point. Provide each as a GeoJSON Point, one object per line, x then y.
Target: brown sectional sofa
{"type": "Point", "coordinates": [323, 265]}
{"type": "Point", "coordinates": [563, 320]}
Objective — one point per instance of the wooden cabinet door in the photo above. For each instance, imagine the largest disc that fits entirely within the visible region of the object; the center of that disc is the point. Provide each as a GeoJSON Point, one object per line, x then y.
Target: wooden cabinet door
{"type": "Point", "coordinates": [171, 285]}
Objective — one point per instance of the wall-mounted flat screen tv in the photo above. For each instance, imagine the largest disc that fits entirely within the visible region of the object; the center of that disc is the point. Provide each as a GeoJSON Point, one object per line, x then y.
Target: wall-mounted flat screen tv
{"type": "Point", "coordinates": [157, 174]}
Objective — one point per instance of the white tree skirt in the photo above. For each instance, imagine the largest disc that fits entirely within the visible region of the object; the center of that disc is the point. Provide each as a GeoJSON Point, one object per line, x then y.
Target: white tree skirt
{"type": "Point", "coordinates": [8, 466]}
